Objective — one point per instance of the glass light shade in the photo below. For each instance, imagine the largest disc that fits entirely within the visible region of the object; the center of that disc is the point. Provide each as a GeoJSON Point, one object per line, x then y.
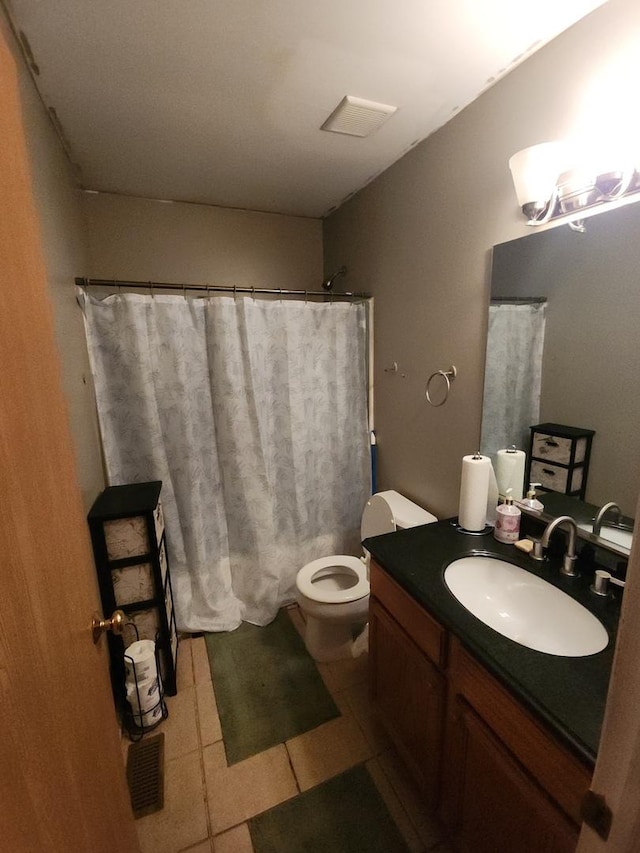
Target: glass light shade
{"type": "Point", "coordinates": [577, 189]}
{"type": "Point", "coordinates": [535, 171]}
{"type": "Point", "coordinates": [612, 166]}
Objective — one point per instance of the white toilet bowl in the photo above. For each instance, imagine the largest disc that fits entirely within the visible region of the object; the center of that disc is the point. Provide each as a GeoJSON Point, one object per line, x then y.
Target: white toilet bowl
{"type": "Point", "coordinates": [333, 592]}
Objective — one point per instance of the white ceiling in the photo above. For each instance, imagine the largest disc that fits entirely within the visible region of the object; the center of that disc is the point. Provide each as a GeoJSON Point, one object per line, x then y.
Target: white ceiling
{"type": "Point", "coordinates": [221, 101]}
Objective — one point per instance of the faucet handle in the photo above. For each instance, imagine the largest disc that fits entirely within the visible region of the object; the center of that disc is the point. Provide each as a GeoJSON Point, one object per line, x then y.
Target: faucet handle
{"type": "Point", "coordinates": [538, 551]}
{"type": "Point", "coordinates": [600, 581]}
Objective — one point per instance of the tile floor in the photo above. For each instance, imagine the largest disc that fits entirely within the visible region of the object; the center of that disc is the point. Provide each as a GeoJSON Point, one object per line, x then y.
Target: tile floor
{"type": "Point", "coordinates": [208, 803]}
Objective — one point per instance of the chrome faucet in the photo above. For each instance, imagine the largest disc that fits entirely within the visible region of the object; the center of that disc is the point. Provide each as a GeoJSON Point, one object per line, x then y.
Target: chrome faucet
{"type": "Point", "coordinates": [569, 559]}
{"type": "Point", "coordinates": [597, 521]}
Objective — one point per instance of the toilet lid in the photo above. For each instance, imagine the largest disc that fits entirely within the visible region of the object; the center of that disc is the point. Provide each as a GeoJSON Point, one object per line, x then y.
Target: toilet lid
{"type": "Point", "coordinates": [316, 592]}
{"type": "Point", "coordinates": [377, 518]}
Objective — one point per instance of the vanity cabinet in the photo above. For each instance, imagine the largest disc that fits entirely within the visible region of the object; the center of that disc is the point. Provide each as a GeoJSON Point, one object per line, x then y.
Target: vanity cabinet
{"type": "Point", "coordinates": [507, 784]}
{"type": "Point", "coordinates": [498, 779]}
{"type": "Point", "coordinates": [559, 458]}
{"type": "Point", "coordinates": [408, 692]}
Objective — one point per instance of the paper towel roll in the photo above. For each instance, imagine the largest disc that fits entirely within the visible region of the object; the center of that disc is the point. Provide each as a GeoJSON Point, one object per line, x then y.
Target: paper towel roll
{"type": "Point", "coordinates": [492, 496]}
{"type": "Point", "coordinates": [510, 465]}
{"type": "Point", "coordinates": [477, 491]}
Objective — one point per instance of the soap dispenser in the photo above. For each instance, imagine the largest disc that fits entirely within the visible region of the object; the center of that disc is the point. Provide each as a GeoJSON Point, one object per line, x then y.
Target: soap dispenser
{"type": "Point", "coordinates": [530, 501]}
{"type": "Point", "coordinates": [507, 527]}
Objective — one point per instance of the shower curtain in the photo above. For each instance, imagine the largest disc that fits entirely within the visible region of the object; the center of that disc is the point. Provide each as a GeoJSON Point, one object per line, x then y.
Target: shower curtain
{"type": "Point", "coordinates": [253, 413]}
{"type": "Point", "coordinates": [513, 375]}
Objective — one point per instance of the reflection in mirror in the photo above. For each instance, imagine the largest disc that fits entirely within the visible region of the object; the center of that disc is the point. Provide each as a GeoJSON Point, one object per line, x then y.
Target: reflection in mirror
{"type": "Point", "coordinates": [513, 372]}
{"type": "Point", "coordinates": [591, 360]}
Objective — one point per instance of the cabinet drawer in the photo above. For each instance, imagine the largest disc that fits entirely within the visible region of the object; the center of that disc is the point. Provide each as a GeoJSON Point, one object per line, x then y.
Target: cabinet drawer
{"type": "Point", "coordinates": [133, 583]}
{"type": "Point", "coordinates": [426, 633]}
{"type": "Point", "coordinates": [555, 478]}
{"type": "Point", "coordinates": [147, 625]}
{"type": "Point", "coordinates": [158, 521]}
{"type": "Point", "coordinates": [162, 556]}
{"type": "Point", "coordinates": [126, 537]}
{"type": "Point", "coordinates": [557, 449]}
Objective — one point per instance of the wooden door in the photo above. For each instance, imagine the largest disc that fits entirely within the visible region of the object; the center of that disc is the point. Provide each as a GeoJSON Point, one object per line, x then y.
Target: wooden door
{"type": "Point", "coordinates": [62, 785]}
{"type": "Point", "coordinates": [408, 693]}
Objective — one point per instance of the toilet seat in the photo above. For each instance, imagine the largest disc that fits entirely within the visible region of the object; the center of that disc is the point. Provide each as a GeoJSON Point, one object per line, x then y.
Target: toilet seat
{"type": "Point", "coordinates": [315, 592]}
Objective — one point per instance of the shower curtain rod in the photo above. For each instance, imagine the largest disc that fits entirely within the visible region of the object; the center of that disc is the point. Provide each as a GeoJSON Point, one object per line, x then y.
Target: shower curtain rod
{"type": "Point", "coordinates": [215, 288]}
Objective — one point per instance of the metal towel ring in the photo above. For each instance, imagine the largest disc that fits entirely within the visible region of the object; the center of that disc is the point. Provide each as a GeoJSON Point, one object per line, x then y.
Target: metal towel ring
{"type": "Point", "coordinates": [448, 376]}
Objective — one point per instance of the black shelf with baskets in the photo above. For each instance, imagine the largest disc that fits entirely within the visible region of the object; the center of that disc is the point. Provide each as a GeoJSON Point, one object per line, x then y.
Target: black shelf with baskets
{"type": "Point", "coordinates": [127, 532]}
{"type": "Point", "coordinates": [559, 458]}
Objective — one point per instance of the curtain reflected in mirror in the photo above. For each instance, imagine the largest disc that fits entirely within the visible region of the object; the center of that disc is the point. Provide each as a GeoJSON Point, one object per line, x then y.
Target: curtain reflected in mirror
{"type": "Point", "coordinates": [513, 373]}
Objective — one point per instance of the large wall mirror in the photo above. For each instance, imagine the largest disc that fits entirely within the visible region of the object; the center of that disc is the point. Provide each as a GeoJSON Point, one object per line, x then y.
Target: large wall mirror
{"type": "Point", "coordinates": [591, 355]}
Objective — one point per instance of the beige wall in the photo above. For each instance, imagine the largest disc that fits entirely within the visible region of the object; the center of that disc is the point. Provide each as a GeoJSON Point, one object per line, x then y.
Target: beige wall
{"type": "Point", "coordinates": [58, 203]}
{"type": "Point", "coordinates": [139, 239]}
{"type": "Point", "coordinates": [112, 236]}
{"type": "Point", "coordinates": [419, 238]}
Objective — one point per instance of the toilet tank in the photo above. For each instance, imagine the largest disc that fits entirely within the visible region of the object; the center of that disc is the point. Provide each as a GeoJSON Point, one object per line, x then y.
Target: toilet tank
{"type": "Point", "coordinates": [389, 511]}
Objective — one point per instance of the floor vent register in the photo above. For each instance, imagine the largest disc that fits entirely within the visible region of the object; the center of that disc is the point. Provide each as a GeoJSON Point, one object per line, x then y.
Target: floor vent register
{"type": "Point", "coordinates": [145, 775]}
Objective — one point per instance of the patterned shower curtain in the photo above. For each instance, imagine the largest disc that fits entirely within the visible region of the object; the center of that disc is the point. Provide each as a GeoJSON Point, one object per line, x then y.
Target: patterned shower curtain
{"type": "Point", "coordinates": [513, 375]}
{"type": "Point", "coordinates": [253, 413]}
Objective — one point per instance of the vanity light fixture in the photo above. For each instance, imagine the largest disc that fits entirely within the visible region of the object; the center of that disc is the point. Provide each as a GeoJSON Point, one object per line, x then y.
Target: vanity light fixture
{"type": "Point", "coordinates": [552, 183]}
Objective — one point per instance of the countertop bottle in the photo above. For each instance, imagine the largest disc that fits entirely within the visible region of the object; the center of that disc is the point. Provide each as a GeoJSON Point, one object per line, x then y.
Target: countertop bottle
{"type": "Point", "coordinates": [507, 527]}
{"type": "Point", "coordinates": [530, 502]}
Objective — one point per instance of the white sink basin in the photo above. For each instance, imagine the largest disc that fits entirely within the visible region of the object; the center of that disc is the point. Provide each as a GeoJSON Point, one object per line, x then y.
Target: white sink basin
{"type": "Point", "coordinates": [523, 607]}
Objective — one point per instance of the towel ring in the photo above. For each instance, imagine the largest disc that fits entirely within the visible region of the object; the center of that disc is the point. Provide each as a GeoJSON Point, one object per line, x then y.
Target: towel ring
{"type": "Point", "coordinates": [448, 376]}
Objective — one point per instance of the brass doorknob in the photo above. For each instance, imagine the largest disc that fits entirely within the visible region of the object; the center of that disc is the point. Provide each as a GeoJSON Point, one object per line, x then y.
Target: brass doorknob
{"type": "Point", "coordinates": [100, 626]}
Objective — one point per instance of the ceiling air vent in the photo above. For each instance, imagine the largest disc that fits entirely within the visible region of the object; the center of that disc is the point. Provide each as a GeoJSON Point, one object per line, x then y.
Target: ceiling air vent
{"type": "Point", "coordinates": [357, 117]}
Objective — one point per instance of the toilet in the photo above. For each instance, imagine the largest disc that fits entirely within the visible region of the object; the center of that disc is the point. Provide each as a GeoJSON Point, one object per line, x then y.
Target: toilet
{"type": "Point", "coordinates": [333, 592]}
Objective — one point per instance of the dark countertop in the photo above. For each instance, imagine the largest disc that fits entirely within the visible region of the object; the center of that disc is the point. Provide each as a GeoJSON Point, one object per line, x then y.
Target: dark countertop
{"type": "Point", "coordinates": [568, 693]}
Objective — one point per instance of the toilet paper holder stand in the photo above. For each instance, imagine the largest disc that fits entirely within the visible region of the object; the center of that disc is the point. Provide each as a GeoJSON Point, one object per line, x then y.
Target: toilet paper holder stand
{"type": "Point", "coordinates": [134, 730]}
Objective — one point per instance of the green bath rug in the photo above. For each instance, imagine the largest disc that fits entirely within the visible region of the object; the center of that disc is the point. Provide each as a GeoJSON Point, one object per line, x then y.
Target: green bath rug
{"type": "Point", "coordinates": [267, 687]}
{"type": "Point", "coordinates": [344, 815]}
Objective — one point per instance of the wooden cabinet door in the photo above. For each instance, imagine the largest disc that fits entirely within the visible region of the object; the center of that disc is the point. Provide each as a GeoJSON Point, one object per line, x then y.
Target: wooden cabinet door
{"type": "Point", "coordinates": [491, 804]}
{"type": "Point", "coordinates": [408, 693]}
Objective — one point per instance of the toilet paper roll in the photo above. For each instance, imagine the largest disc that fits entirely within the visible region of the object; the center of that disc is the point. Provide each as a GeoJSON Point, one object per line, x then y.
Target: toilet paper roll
{"type": "Point", "coordinates": [510, 465]}
{"type": "Point", "coordinates": [144, 695]}
{"type": "Point", "coordinates": [478, 493]}
{"type": "Point", "coordinates": [146, 719]}
{"type": "Point", "coordinates": [140, 661]}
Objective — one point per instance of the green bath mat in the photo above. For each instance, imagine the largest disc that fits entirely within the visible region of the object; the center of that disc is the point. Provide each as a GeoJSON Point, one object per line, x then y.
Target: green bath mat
{"type": "Point", "coordinates": [267, 687]}
{"type": "Point", "coordinates": [344, 815]}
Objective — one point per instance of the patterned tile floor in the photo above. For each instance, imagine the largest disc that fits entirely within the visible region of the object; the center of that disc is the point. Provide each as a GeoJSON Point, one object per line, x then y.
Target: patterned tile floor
{"type": "Point", "coordinates": [208, 803]}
